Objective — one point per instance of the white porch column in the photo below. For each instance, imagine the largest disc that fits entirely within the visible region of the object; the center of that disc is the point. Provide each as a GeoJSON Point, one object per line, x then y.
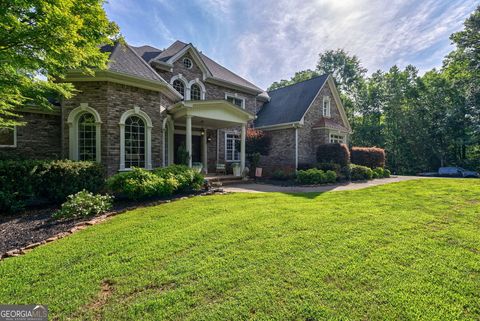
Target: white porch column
{"type": "Point", "coordinates": [204, 152]}
{"type": "Point", "coordinates": [188, 138]}
{"type": "Point", "coordinates": [242, 147]}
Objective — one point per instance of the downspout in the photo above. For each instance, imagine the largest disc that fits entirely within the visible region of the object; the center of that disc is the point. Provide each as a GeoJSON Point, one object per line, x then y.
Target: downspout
{"type": "Point", "coordinates": [218, 143]}
{"type": "Point", "coordinates": [296, 148]}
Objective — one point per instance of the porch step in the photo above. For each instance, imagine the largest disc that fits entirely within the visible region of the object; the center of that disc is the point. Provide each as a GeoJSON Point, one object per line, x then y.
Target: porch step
{"type": "Point", "coordinates": [219, 181]}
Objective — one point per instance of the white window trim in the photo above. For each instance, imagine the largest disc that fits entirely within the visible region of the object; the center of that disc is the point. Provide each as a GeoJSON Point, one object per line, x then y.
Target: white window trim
{"type": "Point", "coordinates": [148, 136]}
{"type": "Point", "coordinates": [239, 156]}
{"type": "Point", "coordinates": [14, 139]}
{"type": "Point", "coordinates": [236, 96]}
{"type": "Point", "coordinates": [185, 84]}
{"type": "Point", "coordinates": [183, 62]}
{"type": "Point", "coordinates": [195, 81]}
{"type": "Point", "coordinates": [326, 99]}
{"type": "Point", "coordinates": [344, 137]}
{"type": "Point", "coordinates": [72, 122]}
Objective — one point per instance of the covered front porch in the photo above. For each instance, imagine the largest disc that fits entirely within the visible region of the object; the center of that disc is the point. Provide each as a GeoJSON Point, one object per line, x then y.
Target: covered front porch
{"type": "Point", "coordinates": [188, 127]}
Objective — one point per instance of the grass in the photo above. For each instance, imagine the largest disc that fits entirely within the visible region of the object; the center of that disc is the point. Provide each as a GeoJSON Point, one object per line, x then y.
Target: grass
{"type": "Point", "coordinates": [403, 251]}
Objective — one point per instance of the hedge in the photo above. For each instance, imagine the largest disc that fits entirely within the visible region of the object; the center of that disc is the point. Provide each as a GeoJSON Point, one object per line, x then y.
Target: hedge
{"type": "Point", "coordinates": [22, 181]}
{"type": "Point", "coordinates": [333, 153]}
{"type": "Point", "coordinates": [316, 176]}
{"type": "Point", "coordinates": [360, 173]}
{"type": "Point", "coordinates": [141, 184]}
{"type": "Point", "coordinates": [371, 157]}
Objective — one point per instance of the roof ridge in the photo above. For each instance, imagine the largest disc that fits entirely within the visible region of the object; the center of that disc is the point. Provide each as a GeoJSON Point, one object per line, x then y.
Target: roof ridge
{"type": "Point", "coordinates": [145, 63]}
{"type": "Point", "coordinates": [315, 77]}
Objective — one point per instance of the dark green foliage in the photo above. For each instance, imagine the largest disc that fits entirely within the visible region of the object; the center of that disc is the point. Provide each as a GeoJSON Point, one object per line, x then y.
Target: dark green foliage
{"type": "Point", "coordinates": [315, 176]}
{"type": "Point", "coordinates": [372, 157]}
{"type": "Point", "coordinates": [378, 172]}
{"type": "Point", "coordinates": [333, 153]}
{"type": "Point", "coordinates": [24, 180]}
{"type": "Point", "coordinates": [84, 204]}
{"type": "Point", "coordinates": [282, 175]}
{"type": "Point", "coordinates": [386, 173]}
{"type": "Point", "coordinates": [360, 173]}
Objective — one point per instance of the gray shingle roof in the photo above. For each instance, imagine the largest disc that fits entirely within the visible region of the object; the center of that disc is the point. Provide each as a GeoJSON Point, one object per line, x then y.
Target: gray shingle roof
{"type": "Point", "coordinates": [289, 104]}
{"type": "Point", "coordinates": [217, 70]}
{"type": "Point", "coordinates": [125, 60]}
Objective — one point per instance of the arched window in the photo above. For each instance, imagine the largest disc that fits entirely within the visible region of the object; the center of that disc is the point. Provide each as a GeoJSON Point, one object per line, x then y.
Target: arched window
{"type": "Point", "coordinates": [87, 137]}
{"type": "Point", "coordinates": [134, 142]}
{"type": "Point", "coordinates": [195, 92]}
{"type": "Point", "coordinates": [179, 86]}
{"type": "Point", "coordinates": [84, 125]}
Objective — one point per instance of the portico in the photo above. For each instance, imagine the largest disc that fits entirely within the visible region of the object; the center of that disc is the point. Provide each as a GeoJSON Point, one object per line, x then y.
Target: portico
{"type": "Point", "coordinates": [194, 118]}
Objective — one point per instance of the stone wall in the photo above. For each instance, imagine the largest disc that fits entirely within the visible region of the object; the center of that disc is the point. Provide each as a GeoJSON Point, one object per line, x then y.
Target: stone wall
{"type": "Point", "coordinates": [308, 137]}
{"type": "Point", "coordinates": [40, 138]}
{"type": "Point", "coordinates": [282, 151]}
{"type": "Point", "coordinates": [111, 100]}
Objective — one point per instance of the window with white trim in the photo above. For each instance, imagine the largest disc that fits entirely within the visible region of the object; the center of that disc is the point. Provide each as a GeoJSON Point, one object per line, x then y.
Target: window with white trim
{"type": "Point", "coordinates": [326, 106]}
{"type": "Point", "coordinates": [134, 142]}
{"type": "Point", "coordinates": [8, 137]}
{"type": "Point", "coordinates": [187, 63]}
{"type": "Point", "coordinates": [179, 86]}
{"type": "Point", "coordinates": [337, 139]}
{"type": "Point", "coordinates": [195, 92]}
{"type": "Point", "coordinates": [87, 137]}
{"type": "Point", "coordinates": [240, 102]}
{"type": "Point", "coordinates": [232, 149]}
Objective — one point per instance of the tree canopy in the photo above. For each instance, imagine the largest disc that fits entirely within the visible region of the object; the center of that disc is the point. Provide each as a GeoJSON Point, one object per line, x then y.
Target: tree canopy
{"type": "Point", "coordinates": [423, 122]}
{"type": "Point", "coordinates": [40, 41]}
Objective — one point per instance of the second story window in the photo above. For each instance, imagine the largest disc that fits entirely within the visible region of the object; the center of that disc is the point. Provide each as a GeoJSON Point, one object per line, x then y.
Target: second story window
{"type": "Point", "coordinates": [187, 63]}
{"type": "Point", "coordinates": [179, 86]}
{"type": "Point", "coordinates": [195, 92]}
{"type": "Point", "coordinates": [240, 102]}
{"type": "Point", "coordinates": [326, 106]}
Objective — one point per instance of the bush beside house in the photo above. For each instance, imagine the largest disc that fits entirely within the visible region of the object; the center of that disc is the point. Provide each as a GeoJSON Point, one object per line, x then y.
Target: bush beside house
{"type": "Point", "coordinates": [314, 176]}
{"type": "Point", "coordinates": [372, 157]}
{"type": "Point", "coordinates": [22, 181]}
{"type": "Point", "coordinates": [333, 153]}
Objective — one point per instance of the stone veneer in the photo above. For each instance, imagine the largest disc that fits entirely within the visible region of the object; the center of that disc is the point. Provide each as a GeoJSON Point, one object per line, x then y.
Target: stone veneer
{"type": "Point", "coordinates": [111, 100]}
{"type": "Point", "coordinates": [40, 138]}
{"type": "Point", "coordinates": [308, 137]}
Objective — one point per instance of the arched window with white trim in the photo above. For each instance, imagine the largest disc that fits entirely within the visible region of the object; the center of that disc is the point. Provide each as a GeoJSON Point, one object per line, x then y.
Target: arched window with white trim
{"type": "Point", "coordinates": [135, 139]}
{"type": "Point", "coordinates": [179, 86]}
{"type": "Point", "coordinates": [84, 134]}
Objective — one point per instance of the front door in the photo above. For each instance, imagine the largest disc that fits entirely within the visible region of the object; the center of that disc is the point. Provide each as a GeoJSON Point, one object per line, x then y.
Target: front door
{"type": "Point", "coordinates": [179, 141]}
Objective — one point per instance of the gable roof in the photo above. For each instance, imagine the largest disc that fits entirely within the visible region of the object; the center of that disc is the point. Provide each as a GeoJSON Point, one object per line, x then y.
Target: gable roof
{"type": "Point", "coordinates": [289, 104]}
{"type": "Point", "coordinates": [217, 71]}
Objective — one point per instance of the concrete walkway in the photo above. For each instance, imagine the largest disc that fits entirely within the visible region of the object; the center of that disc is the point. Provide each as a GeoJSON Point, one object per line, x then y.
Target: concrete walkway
{"type": "Point", "coordinates": [263, 188]}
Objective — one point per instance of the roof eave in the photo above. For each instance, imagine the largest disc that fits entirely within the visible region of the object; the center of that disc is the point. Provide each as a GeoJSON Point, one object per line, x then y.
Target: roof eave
{"type": "Point", "coordinates": [232, 85]}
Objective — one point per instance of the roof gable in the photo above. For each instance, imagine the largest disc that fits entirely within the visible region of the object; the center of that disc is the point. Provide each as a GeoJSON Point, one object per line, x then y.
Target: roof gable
{"type": "Point", "coordinates": [289, 104]}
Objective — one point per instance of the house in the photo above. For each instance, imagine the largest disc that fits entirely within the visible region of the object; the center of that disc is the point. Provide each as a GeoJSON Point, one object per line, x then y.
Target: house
{"type": "Point", "coordinates": [150, 104]}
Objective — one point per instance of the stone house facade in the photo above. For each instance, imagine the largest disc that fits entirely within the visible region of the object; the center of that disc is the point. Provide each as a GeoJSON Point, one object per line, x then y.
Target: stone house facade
{"type": "Point", "coordinates": [152, 104]}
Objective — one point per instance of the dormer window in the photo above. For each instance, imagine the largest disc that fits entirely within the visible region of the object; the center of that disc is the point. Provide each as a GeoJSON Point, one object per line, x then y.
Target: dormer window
{"type": "Point", "coordinates": [187, 63]}
{"type": "Point", "coordinates": [326, 106]}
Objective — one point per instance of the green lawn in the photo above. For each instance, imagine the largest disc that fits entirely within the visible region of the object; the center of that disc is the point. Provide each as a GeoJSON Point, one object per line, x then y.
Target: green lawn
{"type": "Point", "coordinates": [403, 251]}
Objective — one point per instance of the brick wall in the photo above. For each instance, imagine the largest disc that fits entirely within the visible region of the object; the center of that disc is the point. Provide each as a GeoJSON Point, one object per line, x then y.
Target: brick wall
{"type": "Point", "coordinates": [40, 138]}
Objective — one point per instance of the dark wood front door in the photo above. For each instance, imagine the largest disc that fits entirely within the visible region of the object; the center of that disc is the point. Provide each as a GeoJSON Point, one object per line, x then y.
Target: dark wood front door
{"type": "Point", "coordinates": [179, 140]}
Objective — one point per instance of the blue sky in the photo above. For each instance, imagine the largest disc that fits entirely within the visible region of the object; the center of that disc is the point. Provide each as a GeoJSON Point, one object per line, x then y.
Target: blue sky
{"type": "Point", "coordinates": [267, 40]}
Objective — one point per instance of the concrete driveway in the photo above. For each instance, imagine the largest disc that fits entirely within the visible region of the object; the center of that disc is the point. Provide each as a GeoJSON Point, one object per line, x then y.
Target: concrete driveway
{"type": "Point", "coordinates": [264, 188]}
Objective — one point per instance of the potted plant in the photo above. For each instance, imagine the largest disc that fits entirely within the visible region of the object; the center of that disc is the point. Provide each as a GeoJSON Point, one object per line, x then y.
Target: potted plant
{"type": "Point", "coordinates": [236, 169]}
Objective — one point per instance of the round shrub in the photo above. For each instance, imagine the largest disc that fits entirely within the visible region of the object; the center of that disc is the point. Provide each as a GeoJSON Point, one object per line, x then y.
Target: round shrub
{"type": "Point", "coordinates": [188, 179]}
{"type": "Point", "coordinates": [386, 173]}
{"type": "Point", "coordinates": [84, 204]}
{"type": "Point", "coordinates": [316, 176]}
{"type": "Point", "coordinates": [371, 157]}
{"type": "Point", "coordinates": [360, 173]}
{"type": "Point", "coordinates": [379, 172]}
{"type": "Point", "coordinates": [330, 177]}
{"type": "Point", "coordinates": [333, 153]}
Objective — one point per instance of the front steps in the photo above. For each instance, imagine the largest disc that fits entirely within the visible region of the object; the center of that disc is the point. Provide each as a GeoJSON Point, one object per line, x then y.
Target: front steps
{"type": "Point", "coordinates": [222, 180]}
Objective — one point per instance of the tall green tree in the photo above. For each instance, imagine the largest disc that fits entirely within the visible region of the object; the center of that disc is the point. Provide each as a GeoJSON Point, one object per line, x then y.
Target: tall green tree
{"type": "Point", "coordinates": [298, 77]}
{"type": "Point", "coordinates": [40, 40]}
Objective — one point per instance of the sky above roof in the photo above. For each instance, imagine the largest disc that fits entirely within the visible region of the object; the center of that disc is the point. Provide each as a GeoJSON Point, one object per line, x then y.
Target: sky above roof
{"type": "Point", "coordinates": [268, 40]}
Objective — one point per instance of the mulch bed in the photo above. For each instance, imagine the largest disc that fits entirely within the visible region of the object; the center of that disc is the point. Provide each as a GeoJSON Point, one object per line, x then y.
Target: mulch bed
{"type": "Point", "coordinates": [35, 225]}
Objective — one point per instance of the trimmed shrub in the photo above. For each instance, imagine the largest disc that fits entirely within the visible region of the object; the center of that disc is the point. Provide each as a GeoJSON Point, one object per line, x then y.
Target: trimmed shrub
{"type": "Point", "coordinates": [61, 178]}
{"type": "Point", "coordinates": [360, 173]}
{"type": "Point", "coordinates": [305, 166]}
{"type": "Point", "coordinates": [188, 178]}
{"type": "Point", "coordinates": [140, 184]}
{"type": "Point", "coordinates": [84, 204]}
{"type": "Point", "coordinates": [378, 172]}
{"type": "Point", "coordinates": [316, 176]}
{"type": "Point", "coordinates": [333, 153]}
{"type": "Point", "coordinates": [371, 157]}
{"type": "Point", "coordinates": [24, 180]}
{"type": "Point", "coordinates": [386, 173]}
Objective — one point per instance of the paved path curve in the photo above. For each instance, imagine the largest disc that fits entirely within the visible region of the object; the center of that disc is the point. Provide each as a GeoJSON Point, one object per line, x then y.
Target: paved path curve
{"type": "Point", "coordinates": [263, 188]}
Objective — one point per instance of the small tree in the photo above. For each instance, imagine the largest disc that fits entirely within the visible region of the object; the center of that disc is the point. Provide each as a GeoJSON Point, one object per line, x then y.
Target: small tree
{"type": "Point", "coordinates": [256, 143]}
